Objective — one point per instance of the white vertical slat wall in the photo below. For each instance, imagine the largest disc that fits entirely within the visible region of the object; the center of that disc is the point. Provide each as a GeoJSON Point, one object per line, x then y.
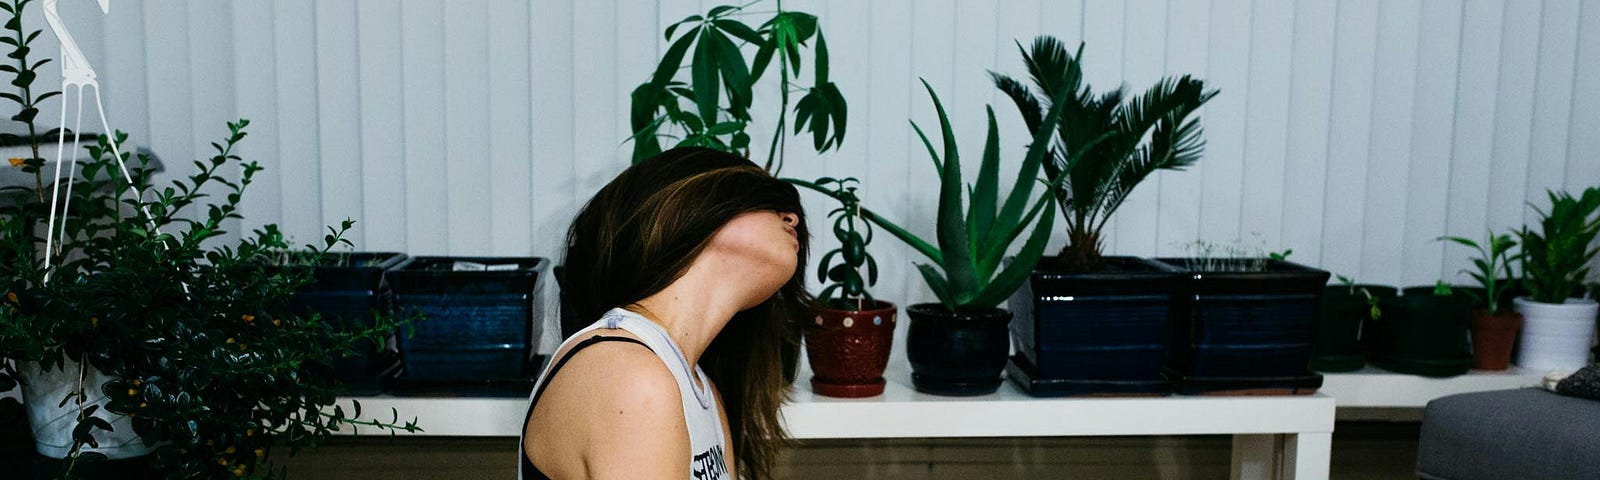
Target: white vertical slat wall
{"type": "Point", "coordinates": [1353, 132]}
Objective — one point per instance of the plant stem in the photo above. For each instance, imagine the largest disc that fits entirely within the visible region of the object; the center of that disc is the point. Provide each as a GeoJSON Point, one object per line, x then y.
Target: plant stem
{"type": "Point", "coordinates": [778, 137]}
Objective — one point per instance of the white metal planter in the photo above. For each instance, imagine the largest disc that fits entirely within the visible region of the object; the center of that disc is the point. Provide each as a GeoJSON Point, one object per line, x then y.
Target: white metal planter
{"type": "Point", "coordinates": [1556, 336]}
{"type": "Point", "coordinates": [52, 423]}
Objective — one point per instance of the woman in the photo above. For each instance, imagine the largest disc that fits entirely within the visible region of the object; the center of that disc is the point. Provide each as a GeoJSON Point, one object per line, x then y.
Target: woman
{"type": "Point", "coordinates": [690, 265]}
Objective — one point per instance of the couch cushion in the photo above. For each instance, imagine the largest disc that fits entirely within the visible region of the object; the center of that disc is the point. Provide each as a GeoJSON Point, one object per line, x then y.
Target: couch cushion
{"type": "Point", "coordinates": [1526, 433]}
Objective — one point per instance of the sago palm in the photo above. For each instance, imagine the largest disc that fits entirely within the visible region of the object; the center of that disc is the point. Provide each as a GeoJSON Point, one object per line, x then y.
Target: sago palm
{"type": "Point", "coordinates": [1122, 139]}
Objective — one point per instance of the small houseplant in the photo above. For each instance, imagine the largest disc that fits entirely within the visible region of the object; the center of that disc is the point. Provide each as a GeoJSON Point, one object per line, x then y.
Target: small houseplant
{"type": "Point", "coordinates": [1347, 308]}
{"type": "Point", "coordinates": [1424, 332]}
{"type": "Point", "coordinates": [958, 346]}
{"type": "Point", "coordinates": [1106, 143]}
{"type": "Point", "coordinates": [849, 340]}
{"type": "Point", "coordinates": [143, 329]}
{"type": "Point", "coordinates": [711, 107]}
{"type": "Point", "coordinates": [1559, 326]}
{"type": "Point", "coordinates": [1494, 323]}
{"type": "Point", "coordinates": [1246, 322]}
{"type": "Point", "coordinates": [1087, 323]}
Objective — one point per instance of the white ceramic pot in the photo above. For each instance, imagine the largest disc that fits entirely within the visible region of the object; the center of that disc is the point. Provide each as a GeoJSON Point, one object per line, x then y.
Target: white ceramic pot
{"type": "Point", "coordinates": [1556, 336]}
{"type": "Point", "coordinates": [52, 422]}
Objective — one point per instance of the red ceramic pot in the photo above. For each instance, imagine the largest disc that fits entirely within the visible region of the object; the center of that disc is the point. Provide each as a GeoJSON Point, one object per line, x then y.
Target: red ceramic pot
{"type": "Point", "coordinates": [848, 349]}
{"type": "Point", "coordinates": [1492, 339]}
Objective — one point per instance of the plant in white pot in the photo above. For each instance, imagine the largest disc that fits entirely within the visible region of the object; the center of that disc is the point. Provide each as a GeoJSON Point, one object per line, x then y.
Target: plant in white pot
{"type": "Point", "coordinates": [1559, 325]}
{"type": "Point", "coordinates": [137, 330]}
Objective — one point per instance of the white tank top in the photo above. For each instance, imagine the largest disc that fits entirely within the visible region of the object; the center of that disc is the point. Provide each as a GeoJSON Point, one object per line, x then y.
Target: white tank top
{"type": "Point", "coordinates": [700, 413]}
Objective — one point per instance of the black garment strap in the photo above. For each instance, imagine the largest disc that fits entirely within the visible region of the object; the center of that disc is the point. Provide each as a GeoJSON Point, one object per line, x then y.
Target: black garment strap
{"type": "Point", "coordinates": [528, 469]}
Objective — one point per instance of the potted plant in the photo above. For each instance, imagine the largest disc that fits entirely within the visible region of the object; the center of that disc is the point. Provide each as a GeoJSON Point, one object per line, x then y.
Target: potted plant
{"type": "Point", "coordinates": [717, 69]}
{"type": "Point", "coordinates": [1347, 308]}
{"type": "Point", "coordinates": [140, 329]}
{"type": "Point", "coordinates": [351, 290]}
{"type": "Point", "coordinates": [1087, 323]}
{"type": "Point", "coordinates": [1246, 322]}
{"type": "Point", "coordinates": [1424, 332]}
{"type": "Point", "coordinates": [1559, 326]}
{"type": "Point", "coordinates": [1494, 323]}
{"type": "Point", "coordinates": [483, 324]}
{"type": "Point", "coordinates": [959, 345]}
{"type": "Point", "coordinates": [848, 342]}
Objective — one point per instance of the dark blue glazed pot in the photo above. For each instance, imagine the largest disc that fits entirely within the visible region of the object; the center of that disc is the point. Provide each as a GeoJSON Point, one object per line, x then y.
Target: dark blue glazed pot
{"type": "Point", "coordinates": [958, 353]}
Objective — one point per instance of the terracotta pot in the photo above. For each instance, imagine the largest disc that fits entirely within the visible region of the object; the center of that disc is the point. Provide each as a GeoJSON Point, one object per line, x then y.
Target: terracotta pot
{"type": "Point", "coordinates": [1492, 339]}
{"type": "Point", "coordinates": [848, 349]}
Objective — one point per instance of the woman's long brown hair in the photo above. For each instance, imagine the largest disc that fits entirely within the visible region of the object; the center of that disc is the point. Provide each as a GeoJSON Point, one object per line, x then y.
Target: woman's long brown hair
{"type": "Point", "coordinates": [643, 230]}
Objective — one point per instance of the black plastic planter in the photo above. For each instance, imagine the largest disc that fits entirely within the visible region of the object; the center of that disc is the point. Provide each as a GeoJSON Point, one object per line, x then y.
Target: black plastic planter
{"type": "Point", "coordinates": [480, 328]}
{"type": "Point", "coordinates": [1245, 332]}
{"type": "Point", "coordinates": [1100, 333]}
{"type": "Point", "coordinates": [349, 290]}
{"type": "Point", "coordinates": [1345, 311]}
{"type": "Point", "coordinates": [956, 353]}
{"type": "Point", "coordinates": [1424, 334]}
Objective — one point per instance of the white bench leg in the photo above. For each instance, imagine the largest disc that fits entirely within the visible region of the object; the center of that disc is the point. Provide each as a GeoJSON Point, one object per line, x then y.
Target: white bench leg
{"type": "Point", "coordinates": [1306, 456]}
{"type": "Point", "coordinates": [1288, 457]}
{"type": "Point", "coordinates": [1255, 457]}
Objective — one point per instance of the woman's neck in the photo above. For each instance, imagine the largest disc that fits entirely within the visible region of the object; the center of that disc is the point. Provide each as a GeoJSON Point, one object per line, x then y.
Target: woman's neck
{"type": "Point", "coordinates": [693, 311]}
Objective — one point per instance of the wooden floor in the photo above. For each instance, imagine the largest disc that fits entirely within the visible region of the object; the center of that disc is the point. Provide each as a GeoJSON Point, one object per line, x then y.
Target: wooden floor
{"type": "Point", "coordinates": [1361, 450]}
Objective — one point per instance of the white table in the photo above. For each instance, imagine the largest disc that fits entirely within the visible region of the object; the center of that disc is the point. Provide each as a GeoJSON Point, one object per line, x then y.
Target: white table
{"type": "Point", "coordinates": [1373, 387]}
{"type": "Point", "coordinates": [1273, 437]}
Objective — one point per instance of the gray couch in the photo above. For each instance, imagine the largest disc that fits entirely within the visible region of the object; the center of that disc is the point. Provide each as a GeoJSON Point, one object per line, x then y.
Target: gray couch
{"type": "Point", "coordinates": [1510, 434]}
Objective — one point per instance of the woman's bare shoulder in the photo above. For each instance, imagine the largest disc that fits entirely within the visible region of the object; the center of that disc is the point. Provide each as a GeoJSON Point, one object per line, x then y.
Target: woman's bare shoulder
{"type": "Point", "coordinates": [613, 404]}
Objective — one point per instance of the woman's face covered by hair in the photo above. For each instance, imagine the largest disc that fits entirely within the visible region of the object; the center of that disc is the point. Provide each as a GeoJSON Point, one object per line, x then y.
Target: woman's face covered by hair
{"type": "Point", "coordinates": [644, 229]}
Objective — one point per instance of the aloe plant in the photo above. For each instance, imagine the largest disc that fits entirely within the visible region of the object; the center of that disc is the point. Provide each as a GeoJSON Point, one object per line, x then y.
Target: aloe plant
{"type": "Point", "coordinates": [966, 271]}
{"type": "Point", "coordinates": [1091, 179]}
{"type": "Point", "coordinates": [1555, 259]}
{"type": "Point", "coordinates": [1493, 261]}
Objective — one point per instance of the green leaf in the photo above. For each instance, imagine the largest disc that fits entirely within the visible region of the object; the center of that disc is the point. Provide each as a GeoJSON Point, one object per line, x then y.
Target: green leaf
{"type": "Point", "coordinates": [952, 231]}
{"type": "Point", "coordinates": [735, 75]}
{"type": "Point", "coordinates": [707, 91]}
{"type": "Point", "coordinates": [840, 111]}
{"type": "Point", "coordinates": [821, 61]}
{"type": "Point", "coordinates": [674, 27]}
{"type": "Point", "coordinates": [805, 25]}
{"type": "Point", "coordinates": [739, 29]}
{"type": "Point", "coordinates": [1018, 199]}
{"type": "Point", "coordinates": [725, 128]}
{"type": "Point", "coordinates": [670, 62]}
{"type": "Point", "coordinates": [763, 57]}
{"type": "Point", "coordinates": [1011, 277]}
{"type": "Point", "coordinates": [937, 283]}
{"type": "Point", "coordinates": [932, 153]}
{"type": "Point", "coordinates": [985, 194]}
{"type": "Point", "coordinates": [822, 266]}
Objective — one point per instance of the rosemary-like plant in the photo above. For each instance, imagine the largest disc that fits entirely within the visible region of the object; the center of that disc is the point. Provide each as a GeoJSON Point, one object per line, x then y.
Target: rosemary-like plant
{"type": "Point", "coordinates": [195, 331]}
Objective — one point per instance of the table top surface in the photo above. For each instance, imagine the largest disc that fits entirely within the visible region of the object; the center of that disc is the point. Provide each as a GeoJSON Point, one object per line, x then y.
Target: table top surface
{"type": "Point", "coordinates": [902, 412]}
